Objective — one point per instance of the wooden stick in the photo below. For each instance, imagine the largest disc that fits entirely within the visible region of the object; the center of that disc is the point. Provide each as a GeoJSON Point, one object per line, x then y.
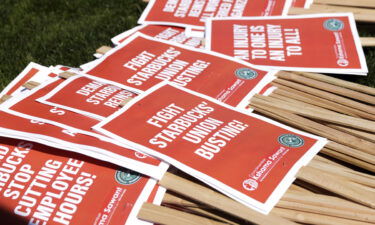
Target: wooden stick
{"type": "Point", "coordinates": [339, 82]}
{"type": "Point", "coordinates": [342, 187]}
{"type": "Point", "coordinates": [312, 218]}
{"type": "Point", "coordinates": [314, 127]}
{"type": "Point", "coordinates": [168, 216]}
{"type": "Point", "coordinates": [4, 98]}
{"type": "Point", "coordinates": [354, 132]}
{"type": "Point", "coordinates": [325, 103]}
{"type": "Point", "coordinates": [326, 87]}
{"type": "Point", "coordinates": [103, 49]}
{"type": "Point", "coordinates": [360, 14]}
{"type": "Point", "coordinates": [313, 112]}
{"type": "Point", "coordinates": [368, 41]}
{"type": "Point", "coordinates": [333, 170]}
{"type": "Point", "coordinates": [66, 75]}
{"type": "Point", "coordinates": [326, 201]}
{"type": "Point", "coordinates": [356, 3]}
{"type": "Point", "coordinates": [171, 199]}
{"type": "Point", "coordinates": [347, 156]}
{"type": "Point", "coordinates": [216, 200]}
{"type": "Point", "coordinates": [30, 84]}
{"type": "Point", "coordinates": [326, 95]}
{"type": "Point", "coordinates": [349, 159]}
{"type": "Point", "coordinates": [321, 210]}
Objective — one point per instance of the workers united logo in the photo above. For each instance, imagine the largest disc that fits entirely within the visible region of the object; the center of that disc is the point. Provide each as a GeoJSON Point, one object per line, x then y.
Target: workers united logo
{"type": "Point", "coordinates": [127, 177]}
{"type": "Point", "coordinates": [246, 73]}
{"type": "Point", "coordinates": [291, 140]}
{"type": "Point", "coordinates": [250, 184]}
{"type": "Point", "coordinates": [333, 24]}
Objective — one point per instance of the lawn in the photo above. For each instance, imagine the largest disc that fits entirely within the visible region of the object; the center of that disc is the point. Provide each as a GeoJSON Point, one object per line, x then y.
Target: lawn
{"type": "Point", "coordinates": [67, 32]}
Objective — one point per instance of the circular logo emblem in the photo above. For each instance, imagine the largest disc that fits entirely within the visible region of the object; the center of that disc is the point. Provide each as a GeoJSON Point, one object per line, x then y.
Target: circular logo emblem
{"type": "Point", "coordinates": [291, 140]}
{"type": "Point", "coordinates": [342, 62]}
{"type": "Point", "coordinates": [250, 184]}
{"type": "Point", "coordinates": [333, 24]}
{"type": "Point", "coordinates": [246, 73]}
{"type": "Point", "coordinates": [127, 177]}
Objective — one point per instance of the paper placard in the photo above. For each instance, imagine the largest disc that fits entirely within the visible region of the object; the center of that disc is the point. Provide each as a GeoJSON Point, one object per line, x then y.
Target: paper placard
{"type": "Point", "coordinates": [87, 96]}
{"type": "Point", "coordinates": [194, 13]}
{"type": "Point", "coordinates": [140, 62]}
{"type": "Point", "coordinates": [325, 43]}
{"type": "Point", "coordinates": [14, 126]}
{"type": "Point", "coordinates": [39, 186]}
{"type": "Point", "coordinates": [247, 157]}
{"type": "Point", "coordinates": [169, 33]}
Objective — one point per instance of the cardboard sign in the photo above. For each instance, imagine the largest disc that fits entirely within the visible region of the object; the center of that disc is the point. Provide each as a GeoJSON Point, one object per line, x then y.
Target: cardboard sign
{"type": "Point", "coordinates": [39, 186]}
{"type": "Point", "coordinates": [247, 157]}
{"type": "Point", "coordinates": [71, 131]}
{"type": "Point", "coordinates": [194, 13]}
{"type": "Point", "coordinates": [169, 33]}
{"type": "Point", "coordinates": [326, 43]}
{"type": "Point", "coordinates": [72, 140]}
{"type": "Point", "coordinates": [141, 62]}
{"type": "Point", "coordinates": [88, 97]}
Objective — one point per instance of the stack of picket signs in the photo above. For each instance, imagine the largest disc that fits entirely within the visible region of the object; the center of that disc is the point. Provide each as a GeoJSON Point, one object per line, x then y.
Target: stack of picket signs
{"type": "Point", "coordinates": [191, 119]}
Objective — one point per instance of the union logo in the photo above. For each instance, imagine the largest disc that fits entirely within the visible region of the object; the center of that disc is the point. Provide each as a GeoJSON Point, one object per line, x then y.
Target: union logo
{"type": "Point", "coordinates": [127, 177]}
{"type": "Point", "coordinates": [333, 24]}
{"type": "Point", "coordinates": [246, 73]}
{"type": "Point", "coordinates": [291, 140]}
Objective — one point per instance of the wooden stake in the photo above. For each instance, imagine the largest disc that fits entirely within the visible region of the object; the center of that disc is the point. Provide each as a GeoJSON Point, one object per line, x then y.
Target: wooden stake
{"type": "Point", "coordinates": [4, 98]}
{"type": "Point", "coordinates": [324, 103]}
{"type": "Point", "coordinates": [103, 49]}
{"type": "Point", "coordinates": [368, 41]}
{"type": "Point", "coordinates": [342, 187]}
{"type": "Point", "coordinates": [339, 82]}
{"type": "Point", "coordinates": [216, 200]}
{"type": "Point", "coordinates": [313, 218]}
{"type": "Point", "coordinates": [313, 112]}
{"type": "Point", "coordinates": [354, 132]}
{"type": "Point", "coordinates": [168, 216]}
{"type": "Point", "coordinates": [326, 95]}
{"type": "Point", "coordinates": [66, 75]}
{"type": "Point", "coordinates": [326, 87]}
{"type": "Point", "coordinates": [30, 84]}
{"type": "Point", "coordinates": [123, 103]}
{"type": "Point", "coordinates": [355, 3]}
{"type": "Point", "coordinates": [360, 14]}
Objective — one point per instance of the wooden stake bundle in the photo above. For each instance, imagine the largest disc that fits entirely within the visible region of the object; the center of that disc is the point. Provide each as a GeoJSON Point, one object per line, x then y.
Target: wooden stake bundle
{"type": "Point", "coordinates": [360, 14]}
{"type": "Point", "coordinates": [354, 3]}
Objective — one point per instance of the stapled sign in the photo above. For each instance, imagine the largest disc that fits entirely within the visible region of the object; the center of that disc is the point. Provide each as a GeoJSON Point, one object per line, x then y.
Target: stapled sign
{"type": "Point", "coordinates": [326, 43]}
{"type": "Point", "coordinates": [194, 13]}
{"type": "Point", "coordinates": [245, 156]}
{"type": "Point", "coordinates": [38, 186]}
{"type": "Point", "coordinates": [141, 61]}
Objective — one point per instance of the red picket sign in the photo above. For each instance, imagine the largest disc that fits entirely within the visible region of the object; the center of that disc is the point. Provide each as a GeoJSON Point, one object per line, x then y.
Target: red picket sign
{"type": "Point", "coordinates": [194, 13]}
{"type": "Point", "coordinates": [87, 96]}
{"type": "Point", "coordinates": [326, 43]}
{"type": "Point", "coordinates": [41, 186]}
{"type": "Point", "coordinates": [246, 156]}
{"type": "Point", "coordinates": [302, 3]}
{"type": "Point", "coordinates": [141, 62]}
{"type": "Point", "coordinates": [169, 33]}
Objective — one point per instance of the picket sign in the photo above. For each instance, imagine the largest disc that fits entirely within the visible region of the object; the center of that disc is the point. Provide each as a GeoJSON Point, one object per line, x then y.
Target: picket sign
{"type": "Point", "coordinates": [353, 3]}
{"type": "Point", "coordinates": [172, 13]}
{"type": "Point", "coordinates": [289, 43]}
{"type": "Point", "coordinates": [142, 61]}
{"type": "Point", "coordinates": [68, 188]}
{"type": "Point", "coordinates": [360, 14]}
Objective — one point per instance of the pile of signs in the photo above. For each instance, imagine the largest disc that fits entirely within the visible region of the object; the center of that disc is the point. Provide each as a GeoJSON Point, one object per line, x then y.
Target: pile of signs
{"type": "Point", "coordinates": [189, 120]}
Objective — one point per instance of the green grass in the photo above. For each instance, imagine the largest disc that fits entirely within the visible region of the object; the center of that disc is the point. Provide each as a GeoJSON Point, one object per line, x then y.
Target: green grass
{"type": "Point", "coordinates": [52, 32]}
